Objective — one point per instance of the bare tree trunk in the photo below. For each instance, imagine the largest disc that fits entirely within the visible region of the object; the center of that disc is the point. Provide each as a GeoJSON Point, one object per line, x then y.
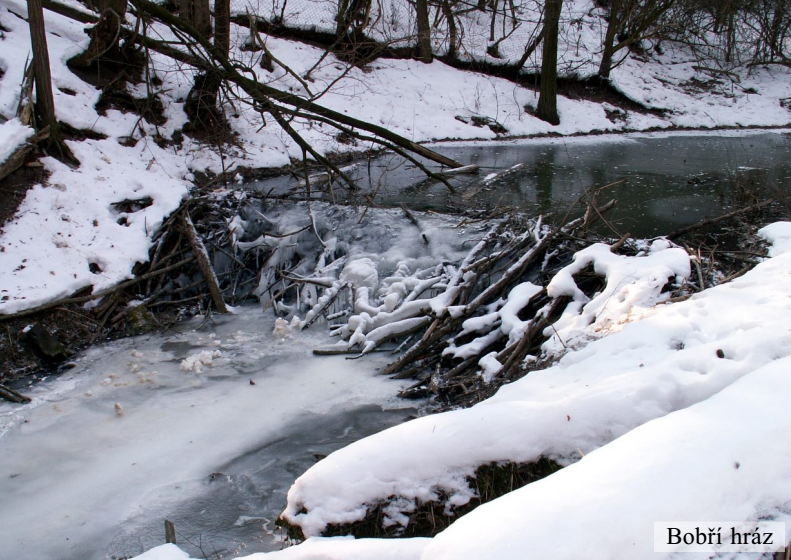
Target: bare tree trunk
{"type": "Point", "coordinates": [776, 46]}
{"type": "Point", "coordinates": [548, 95]}
{"type": "Point", "coordinates": [609, 39]}
{"type": "Point", "coordinates": [222, 25]}
{"type": "Point", "coordinates": [201, 104]}
{"type": "Point", "coordinates": [118, 6]}
{"type": "Point", "coordinates": [45, 103]}
{"type": "Point", "coordinates": [423, 32]}
{"type": "Point", "coordinates": [197, 13]}
{"type": "Point", "coordinates": [447, 11]}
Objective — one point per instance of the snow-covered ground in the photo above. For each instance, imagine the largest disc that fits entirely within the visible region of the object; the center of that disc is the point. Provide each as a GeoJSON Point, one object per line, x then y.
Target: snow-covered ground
{"type": "Point", "coordinates": [68, 224]}
{"type": "Point", "coordinates": [678, 416]}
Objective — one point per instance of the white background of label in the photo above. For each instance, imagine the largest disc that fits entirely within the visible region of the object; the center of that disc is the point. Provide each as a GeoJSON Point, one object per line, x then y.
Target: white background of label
{"type": "Point", "coordinates": [778, 537]}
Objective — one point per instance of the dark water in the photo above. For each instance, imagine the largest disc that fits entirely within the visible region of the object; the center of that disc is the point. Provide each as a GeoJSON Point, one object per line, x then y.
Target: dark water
{"type": "Point", "coordinates": [233, 510]}
{"type": "Point", "coordinates": [671, 180]}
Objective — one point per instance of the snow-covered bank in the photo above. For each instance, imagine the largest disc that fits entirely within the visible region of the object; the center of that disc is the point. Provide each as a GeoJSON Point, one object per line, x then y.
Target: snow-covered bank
{"type": "Point", "coordinates": [319, 549]}
{"type": "Point", "coordinates": [679, 416]}
{"type": "Point", "coordinates": [665, 362]}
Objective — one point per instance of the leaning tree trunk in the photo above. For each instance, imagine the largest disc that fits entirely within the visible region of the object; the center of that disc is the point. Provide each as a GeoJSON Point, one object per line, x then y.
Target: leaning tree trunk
{"type": "Point", "coordinates": [548, 95]}
{"type": "Point", "coordinates": [609, 39]}
{"type": "Point", "coordinates": [423, 32]}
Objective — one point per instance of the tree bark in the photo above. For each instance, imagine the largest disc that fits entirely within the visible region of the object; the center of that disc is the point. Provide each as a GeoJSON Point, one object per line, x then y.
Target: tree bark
{"type": "Point", "coordinates": [609, 38]}
{"type": "Point", "coordinates": [423, 32]}
{"type": "Point", "coordinates": [548, 95]}
{"type": "Point", "coordinates": [447, 10]}
{"type": "Point", "coordinates": [197, 13]}
{"type": "Point", "coordinates": [222, 25]}
{"type": "Point", "coordinates": [118, 6]}
{"type": "Point", "coordinates": [45, 103]}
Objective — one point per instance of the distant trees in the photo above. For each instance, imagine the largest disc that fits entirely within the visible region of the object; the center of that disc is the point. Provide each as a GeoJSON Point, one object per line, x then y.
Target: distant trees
{"type": "Point", "coordinates": [736, 31]}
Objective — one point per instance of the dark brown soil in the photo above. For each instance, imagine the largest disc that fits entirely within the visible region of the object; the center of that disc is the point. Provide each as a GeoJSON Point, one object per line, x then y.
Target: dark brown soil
{"type": "Point", "coordinates": [14, 187]}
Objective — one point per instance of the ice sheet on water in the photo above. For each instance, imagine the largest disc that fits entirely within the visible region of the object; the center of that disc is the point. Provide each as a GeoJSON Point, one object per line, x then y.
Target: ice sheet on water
{"type": "Point", "coordinates": [83, 471]}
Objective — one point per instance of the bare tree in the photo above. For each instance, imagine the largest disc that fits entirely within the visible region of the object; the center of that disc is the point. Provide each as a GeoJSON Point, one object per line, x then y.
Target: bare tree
{"type": "Point", "coordinates": [630, 21]}
{"type": "Point", "coordinates": [45, 101]}
{"type": "Point", "coordinates": [548, 95]}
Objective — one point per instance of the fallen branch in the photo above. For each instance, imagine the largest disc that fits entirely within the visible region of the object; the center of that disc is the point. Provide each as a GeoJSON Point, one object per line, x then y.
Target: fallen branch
{"type": "Point", "coordinates": [10, 395]}
{"type": "Point", "coordinates": [97, 295]}
{"type": "Point", "coordinates": [199, 249]}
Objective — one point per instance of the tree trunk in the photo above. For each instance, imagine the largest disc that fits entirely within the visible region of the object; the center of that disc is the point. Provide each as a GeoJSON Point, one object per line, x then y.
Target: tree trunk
{"type": "Point", "coordinates": [118, 6]}
{"type": "Point", "coordinates": [45, 103]}
{"type": "Point", "coordinates": [776, 46]}
{"type": "Point", "coordinates": [609, 39]}
{"type": "Point", "coordinates": [447, 10]}
{"type": "Point", "coordinates": [201, 104]}
{"type": "Point", "coordinates": [222, 25]}
{"type": "Point", "coordinates": [548, 95]}
{"type": "Point", "coordinates": [197, 13]}
{"type": "Point", "coordinates": [423, 32]}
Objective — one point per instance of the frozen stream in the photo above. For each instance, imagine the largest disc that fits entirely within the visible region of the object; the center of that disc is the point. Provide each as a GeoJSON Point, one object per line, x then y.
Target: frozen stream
{"type": "Point", "coordinates": [208, 450]}
{"type": "Point", "coordinates": [670, 179]}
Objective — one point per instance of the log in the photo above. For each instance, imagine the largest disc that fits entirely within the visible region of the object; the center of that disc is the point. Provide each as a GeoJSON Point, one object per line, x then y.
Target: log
{"type": "Point", "coordinates": [202, 257]}
{"type": "Point", "coordinates": [97, 295]}
{"type": "Point", "coordinates": [10, 395]}
{"type": "Point", "coordinates": [170, 531]}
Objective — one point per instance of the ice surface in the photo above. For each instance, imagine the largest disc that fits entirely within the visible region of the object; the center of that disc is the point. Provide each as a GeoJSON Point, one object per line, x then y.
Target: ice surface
{"type": "Point", "coordinates": [101, 483]}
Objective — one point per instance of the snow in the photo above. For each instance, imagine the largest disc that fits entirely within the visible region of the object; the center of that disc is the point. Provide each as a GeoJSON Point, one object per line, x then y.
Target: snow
{"type": "Point", "coordinates": [196, 362]}
{"type": "Point", "coordinates": [338, 548]}
{"type": "Point", "coordinates": [12, 135]}
{"type": "Point", "coordinates": [724, 458]}
{"type": "Point", "coordinates": [63, 227]}
{"type": "Point", "coordinates": [49, 258]}
{"type": "Point", "coordinates": [665, 362]}
{"type": "Point", "coordinates": [632, 286]}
